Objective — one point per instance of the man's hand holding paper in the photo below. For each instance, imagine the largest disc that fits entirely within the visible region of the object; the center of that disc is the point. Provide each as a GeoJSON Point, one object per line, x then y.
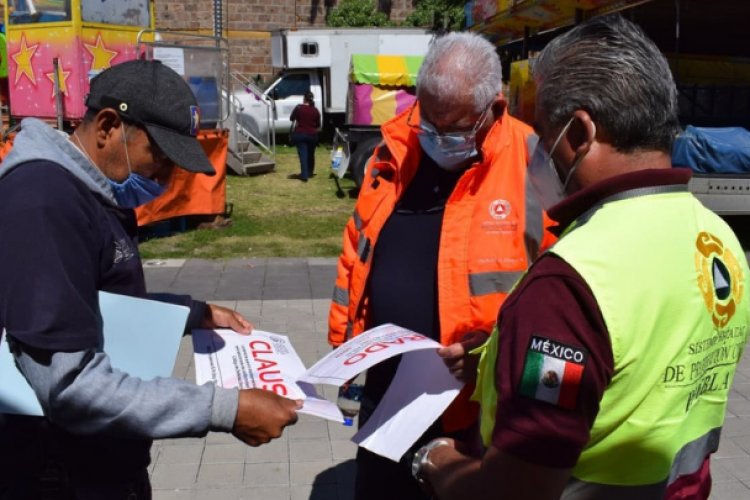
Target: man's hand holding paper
{"type": "Point", "coordinates": [262, 416]}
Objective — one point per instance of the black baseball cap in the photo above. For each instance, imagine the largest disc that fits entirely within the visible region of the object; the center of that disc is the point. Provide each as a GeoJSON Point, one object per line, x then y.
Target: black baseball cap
{"type": "Point", "coordinates": [155, 97]}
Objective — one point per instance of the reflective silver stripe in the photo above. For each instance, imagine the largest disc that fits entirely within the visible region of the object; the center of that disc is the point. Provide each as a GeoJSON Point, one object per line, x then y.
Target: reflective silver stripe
{"type": "Point", "coordinates": [534, 223]}
{"type": "Point", "coordinates": [493, 282]}
{"type": "Point", "coordinates": [357, 220]}
{"type": "Point", "coordinates": [690, 458]}
{"type": "Point", "coordinates": [531, 141]}
{"type": "Point", "coordinates": [340, 296]}
{"type": "Point", "coordinates": [582, 490]}
{"type": "Point", "coordinates": [374, 172]}
{"type": "Point", "coordinates": [363, 247]}
{"type": "Point", "coordinates": [687, 461]}
{"type": "Point", "coordinates": [348, 332]}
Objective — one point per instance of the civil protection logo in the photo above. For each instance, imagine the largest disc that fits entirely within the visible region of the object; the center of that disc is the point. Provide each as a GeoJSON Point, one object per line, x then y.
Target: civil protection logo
{"type": "Point", "coordinates": [720, 278]}
{"type": "Point", "coordinates": [499, 209]}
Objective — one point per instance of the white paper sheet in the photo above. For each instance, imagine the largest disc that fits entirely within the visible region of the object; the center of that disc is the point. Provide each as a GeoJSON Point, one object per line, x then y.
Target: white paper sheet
{"type": "Point", "coordinates": [364, 351]}
{"type": "Point", "coordinates": [420, 392]}
{"type": "Point", "coordinates": [262, 360]}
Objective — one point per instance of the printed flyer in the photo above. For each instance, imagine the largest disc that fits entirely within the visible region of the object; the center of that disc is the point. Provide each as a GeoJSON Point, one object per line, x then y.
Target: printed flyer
{"type": "Point", "coordinates": [261, 360]}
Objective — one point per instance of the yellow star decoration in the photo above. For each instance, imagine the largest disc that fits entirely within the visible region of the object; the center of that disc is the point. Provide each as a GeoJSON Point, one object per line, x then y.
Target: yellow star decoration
{"type": "Point", "coordinates": [63, 77]}
{"type": "Point", "coordinates": [101, 55]}
{"type": "Point", "coordinates": [23, 61]}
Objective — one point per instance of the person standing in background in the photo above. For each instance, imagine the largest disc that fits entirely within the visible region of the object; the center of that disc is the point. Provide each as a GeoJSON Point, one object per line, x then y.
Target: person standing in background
{"type": "Point", "coordinates": [306, 118]}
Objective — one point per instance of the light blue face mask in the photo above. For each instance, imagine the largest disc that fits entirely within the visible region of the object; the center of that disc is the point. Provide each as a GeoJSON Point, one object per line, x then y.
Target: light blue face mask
{"type": "Point", "coordinates": [544, 176]}
{"type": "Point", "coordinates": [451, 153]}
{"type": "Point", "coordinates": [135, 190]}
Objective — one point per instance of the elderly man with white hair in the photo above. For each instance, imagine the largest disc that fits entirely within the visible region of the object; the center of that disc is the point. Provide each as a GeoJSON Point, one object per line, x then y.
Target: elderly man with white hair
{"type": "Point", "coordinates": [442, 229]}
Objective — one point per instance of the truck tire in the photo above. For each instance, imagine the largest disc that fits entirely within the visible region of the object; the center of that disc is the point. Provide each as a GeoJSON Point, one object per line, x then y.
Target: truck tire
{"type": "Point", "coordinates": [361, 157]}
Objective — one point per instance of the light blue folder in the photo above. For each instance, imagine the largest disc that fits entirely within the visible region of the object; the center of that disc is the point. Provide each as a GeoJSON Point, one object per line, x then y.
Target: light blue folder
{"type": "Point", "coordinates": [141, 337]}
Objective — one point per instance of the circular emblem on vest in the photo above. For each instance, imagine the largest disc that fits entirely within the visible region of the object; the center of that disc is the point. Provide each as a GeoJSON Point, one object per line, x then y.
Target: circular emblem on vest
{"type": "Point", "coordinates": [719, 278]}
{"type": "Point", "coordinates": [499, 209]}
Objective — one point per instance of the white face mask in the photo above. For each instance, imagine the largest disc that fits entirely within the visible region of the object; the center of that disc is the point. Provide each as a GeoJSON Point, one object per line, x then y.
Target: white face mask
{"type": "Point", "coordinates": [452, 151]}
{"type": "Point", "coordinates": [449, 153]}
{"type": "Point", "coordinates": [543, 174]}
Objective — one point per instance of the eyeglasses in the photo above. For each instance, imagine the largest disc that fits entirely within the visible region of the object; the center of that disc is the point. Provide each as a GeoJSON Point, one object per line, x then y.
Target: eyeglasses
{"type": "Point", "coordinates": [450, 137]}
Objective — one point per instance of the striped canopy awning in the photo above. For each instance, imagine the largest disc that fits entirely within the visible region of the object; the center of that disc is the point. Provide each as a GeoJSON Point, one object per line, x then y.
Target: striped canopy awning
{"type": "Point", "coordinates": [398, 71]}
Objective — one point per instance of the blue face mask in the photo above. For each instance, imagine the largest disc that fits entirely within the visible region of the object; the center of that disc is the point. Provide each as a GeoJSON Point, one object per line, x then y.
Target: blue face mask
{"type": "Point", "coordinates": [136, 190]}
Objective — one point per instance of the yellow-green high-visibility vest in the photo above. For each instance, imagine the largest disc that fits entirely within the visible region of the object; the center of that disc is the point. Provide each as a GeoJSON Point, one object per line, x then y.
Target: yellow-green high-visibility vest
{"type": "Point", "coordinates": [671, 281]}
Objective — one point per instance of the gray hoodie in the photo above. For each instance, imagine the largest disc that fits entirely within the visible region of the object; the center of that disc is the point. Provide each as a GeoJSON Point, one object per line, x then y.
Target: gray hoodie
{"type": "Point", "coordinates": [39, 141]}
{"type": "Point", "coordinates": [70, 385]}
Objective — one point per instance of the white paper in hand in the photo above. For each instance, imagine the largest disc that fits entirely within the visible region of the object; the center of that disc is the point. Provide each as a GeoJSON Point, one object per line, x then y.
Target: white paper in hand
{"type": "Point", "coordinates": [364, 351]}
{"type": "Point", "coordinates": [420, 392]}
{"type": "Point", "coordinates": [261, 360]}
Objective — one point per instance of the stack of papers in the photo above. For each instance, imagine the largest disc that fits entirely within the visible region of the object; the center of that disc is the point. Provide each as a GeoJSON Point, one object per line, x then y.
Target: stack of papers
{"type": "Point", "coordinates": [421, 390]}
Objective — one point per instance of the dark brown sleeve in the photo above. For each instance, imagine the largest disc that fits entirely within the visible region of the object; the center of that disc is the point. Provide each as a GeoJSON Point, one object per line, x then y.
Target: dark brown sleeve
{"type": "Point", "coordinates": [553, 304]}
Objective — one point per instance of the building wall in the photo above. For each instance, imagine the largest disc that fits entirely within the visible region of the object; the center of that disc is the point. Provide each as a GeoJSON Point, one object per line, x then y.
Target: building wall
{"type": "Point", "coordinates": [248, 24]}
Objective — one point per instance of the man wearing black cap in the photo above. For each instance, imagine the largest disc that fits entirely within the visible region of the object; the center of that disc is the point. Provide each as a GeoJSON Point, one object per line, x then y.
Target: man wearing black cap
{"type": "Point", "coordinates": [67, 231]}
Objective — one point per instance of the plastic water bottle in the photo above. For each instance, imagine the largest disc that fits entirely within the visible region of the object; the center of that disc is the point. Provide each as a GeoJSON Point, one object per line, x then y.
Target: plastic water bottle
{"type": "Point", "coordinates": [348, 401]}
{"type": "Point", "coordinates": [338, 155]}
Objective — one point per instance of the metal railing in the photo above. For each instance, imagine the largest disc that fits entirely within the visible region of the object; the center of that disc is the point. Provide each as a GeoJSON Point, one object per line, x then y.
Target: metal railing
{"type": "Point", "coordinates": [264, 139]}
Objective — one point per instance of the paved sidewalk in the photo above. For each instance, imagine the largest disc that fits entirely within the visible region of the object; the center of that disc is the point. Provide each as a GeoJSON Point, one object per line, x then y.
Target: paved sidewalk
{"type": "Point", "coordinates": [313, 460]}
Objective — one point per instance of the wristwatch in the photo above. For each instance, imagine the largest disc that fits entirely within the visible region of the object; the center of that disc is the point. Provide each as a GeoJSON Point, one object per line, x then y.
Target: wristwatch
{"type": "Point", "coordinates": [422, 458]}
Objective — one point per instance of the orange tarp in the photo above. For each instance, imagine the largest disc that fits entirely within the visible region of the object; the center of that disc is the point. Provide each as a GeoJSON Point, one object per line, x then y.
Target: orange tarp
{"type": "Point", "coordinates": [193, 194]}
{"type": "Point", "coordinates": [6, 146]}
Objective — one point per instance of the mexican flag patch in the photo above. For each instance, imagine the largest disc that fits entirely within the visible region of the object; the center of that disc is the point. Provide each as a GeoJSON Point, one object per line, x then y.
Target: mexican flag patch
{"type": "Point", "coordinates": [552, 372]}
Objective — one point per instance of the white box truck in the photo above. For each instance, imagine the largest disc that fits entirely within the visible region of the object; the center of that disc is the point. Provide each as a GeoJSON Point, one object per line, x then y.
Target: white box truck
{"type": "Point", "coordinates": [319, 60]}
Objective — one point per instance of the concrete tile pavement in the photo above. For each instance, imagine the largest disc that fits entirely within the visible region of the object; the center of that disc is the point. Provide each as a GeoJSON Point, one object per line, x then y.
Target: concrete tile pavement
{"type": "Point", "coordinates": [314, 459]}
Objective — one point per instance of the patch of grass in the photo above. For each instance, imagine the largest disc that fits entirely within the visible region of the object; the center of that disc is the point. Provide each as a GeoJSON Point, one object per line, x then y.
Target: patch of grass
{"type": "Point", "coordinates": [272, 216]}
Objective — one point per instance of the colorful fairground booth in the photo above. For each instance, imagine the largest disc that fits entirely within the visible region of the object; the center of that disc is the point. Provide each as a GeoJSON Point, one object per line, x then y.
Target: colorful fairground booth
{"type": "Point", "coordinates": [381, 86]}
{"type": "Point", "coordinates": [54, 49]}
{"type": "Point", "coordinates": [706, 44]}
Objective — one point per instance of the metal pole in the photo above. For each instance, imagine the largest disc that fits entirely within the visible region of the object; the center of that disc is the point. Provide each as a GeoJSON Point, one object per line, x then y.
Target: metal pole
{"type": "Point", "coordinates": [58, 94]}
{"type": "Point", "coordinates": [526, 42]}
{"type": "Point", "coordinates": [218, 18]}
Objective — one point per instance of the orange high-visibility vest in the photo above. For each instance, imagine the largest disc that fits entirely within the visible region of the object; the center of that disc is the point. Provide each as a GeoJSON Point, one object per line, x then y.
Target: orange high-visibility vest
{"type": "Point", "coordinates": [490, 234]}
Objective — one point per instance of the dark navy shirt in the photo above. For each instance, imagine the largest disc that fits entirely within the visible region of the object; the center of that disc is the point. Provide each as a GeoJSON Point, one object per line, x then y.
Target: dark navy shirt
{"type": "Point", "coordinates": [59, 245]}
{"type": "Point", "coordinates": [403, 277]}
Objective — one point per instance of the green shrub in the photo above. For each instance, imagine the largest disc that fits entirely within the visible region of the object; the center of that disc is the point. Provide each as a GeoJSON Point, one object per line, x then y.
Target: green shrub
{"type": "Point", "coordinates": [357, 13]}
